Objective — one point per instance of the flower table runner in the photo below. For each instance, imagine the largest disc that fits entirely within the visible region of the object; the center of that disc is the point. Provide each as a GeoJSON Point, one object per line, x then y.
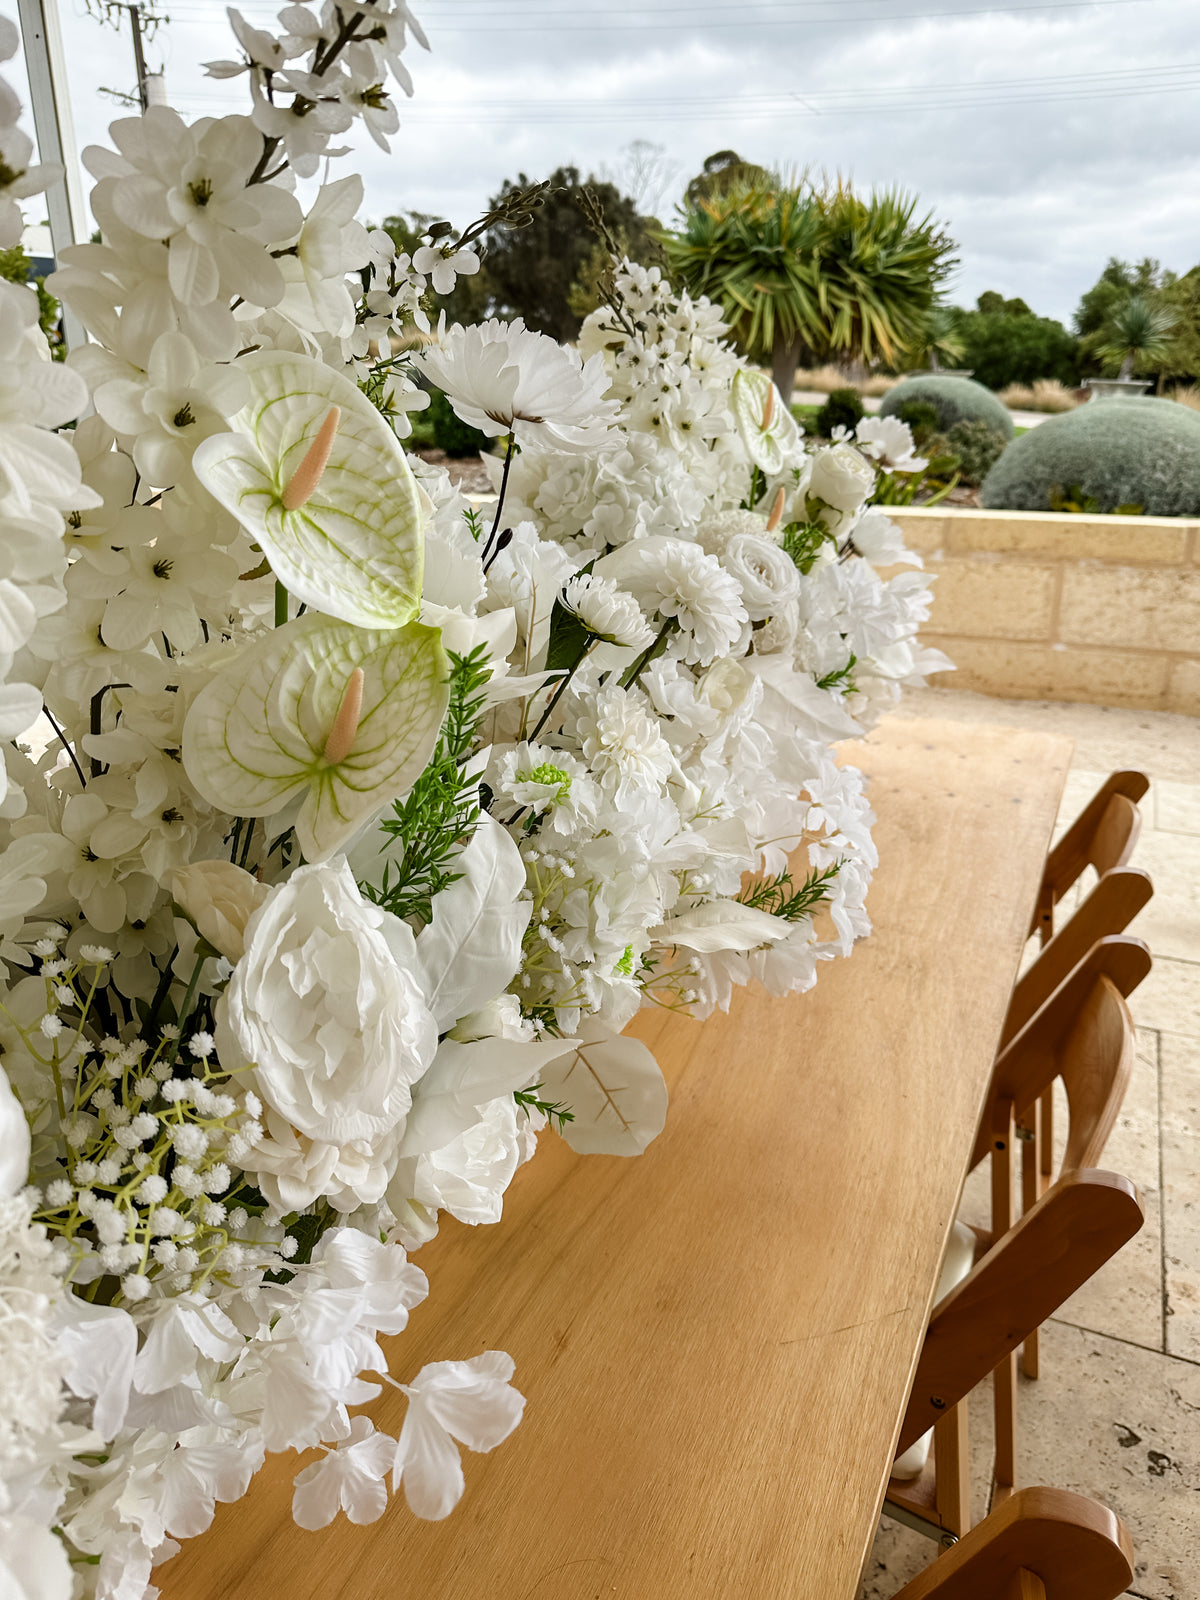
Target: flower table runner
{"type": "Point", "coordinates": [717, 1339]}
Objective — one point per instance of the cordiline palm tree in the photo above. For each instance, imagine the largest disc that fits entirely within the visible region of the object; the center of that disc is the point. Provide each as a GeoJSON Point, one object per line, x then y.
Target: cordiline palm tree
{"type": "Point", "coordinates": [752, 251]}
{"type": "Point", "coordinates": [1136, 331]}
{"type": "Point", "coordinates": [797, 270]}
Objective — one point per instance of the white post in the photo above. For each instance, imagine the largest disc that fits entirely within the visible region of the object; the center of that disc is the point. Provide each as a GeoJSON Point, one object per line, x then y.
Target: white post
{"type": "Point", "coordinates": [46, 66]}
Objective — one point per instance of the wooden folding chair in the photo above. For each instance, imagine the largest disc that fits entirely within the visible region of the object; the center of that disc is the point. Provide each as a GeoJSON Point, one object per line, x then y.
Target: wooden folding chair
{"type": "Point", "coordinates": [1103, 836]}
{"type": "Point", "coordinates": [1019, 1280]}
{"type": "Point", "coordinates": [1042, 1544]}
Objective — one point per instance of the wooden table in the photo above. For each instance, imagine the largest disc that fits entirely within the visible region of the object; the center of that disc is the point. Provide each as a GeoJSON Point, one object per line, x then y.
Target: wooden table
{"type": "Point", "coordinates": [716, 1339]}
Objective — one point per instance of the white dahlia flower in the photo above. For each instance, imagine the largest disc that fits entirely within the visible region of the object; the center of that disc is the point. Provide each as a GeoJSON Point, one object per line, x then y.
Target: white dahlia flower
{"type": "Point", "coordinates": [606, 611]}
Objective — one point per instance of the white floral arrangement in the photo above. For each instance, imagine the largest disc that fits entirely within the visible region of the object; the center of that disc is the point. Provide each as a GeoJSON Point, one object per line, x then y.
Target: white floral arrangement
{"type": "Point", "coordinates": [365, 817]}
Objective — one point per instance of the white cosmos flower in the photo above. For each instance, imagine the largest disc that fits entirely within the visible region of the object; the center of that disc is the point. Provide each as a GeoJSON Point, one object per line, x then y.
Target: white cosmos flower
{"type": "Point", "coordinates": [766, 576]}
{"type": "Point", "coordinates": [889, 440]}
{"type": "Point", "coordinates": [678, 581]}
{"type": "Point", "coordinates": [325, 1012]}
{"type": "Point", "coordinates": [606, 611]}
{"type": "Point", "coordinates": [502, 378]}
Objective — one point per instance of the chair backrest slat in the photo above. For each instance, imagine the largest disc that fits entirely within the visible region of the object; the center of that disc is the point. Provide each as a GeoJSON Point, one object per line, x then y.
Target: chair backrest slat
{"type": "Point", "coordinates": [1074, 851]}
{"type": "Point", "coordinates": [1027, 1274]}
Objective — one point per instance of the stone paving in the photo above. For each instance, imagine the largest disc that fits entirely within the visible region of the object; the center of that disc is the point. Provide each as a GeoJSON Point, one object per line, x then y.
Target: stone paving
{"type": "Point", "coordinates": [1116, 1412]}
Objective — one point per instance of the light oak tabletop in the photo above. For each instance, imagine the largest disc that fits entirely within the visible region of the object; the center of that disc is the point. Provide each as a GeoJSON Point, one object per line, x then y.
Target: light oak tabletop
{"type": "Point", "coordinates": [716, 1339]}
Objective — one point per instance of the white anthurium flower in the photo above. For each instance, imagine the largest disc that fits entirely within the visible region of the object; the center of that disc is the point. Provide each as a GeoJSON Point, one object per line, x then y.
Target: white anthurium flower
{"type": "Point", "coordinates": [471, 948]}
{"type": "Point", "coordinates": [338, 717]}
{"type": "Point", "coordinates": [315, 475]}
{"type": "Point", "coordinates": [768, 429]}
{"type": "Point", "coordinates": [14, 1141]}
{"type": "Point", "coordinates": [720, 925]}
{"type": "Point", "coordinates": [469, 1401]}
{"type": "Point", "coordinates": [350, 1477]}
{"type": "Point", "coordinates": [613, 1088]}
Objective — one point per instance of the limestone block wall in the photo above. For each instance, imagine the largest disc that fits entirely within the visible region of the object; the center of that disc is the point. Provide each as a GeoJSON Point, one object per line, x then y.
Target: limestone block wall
{"type": "Point", "coordinates": [1039, 606]}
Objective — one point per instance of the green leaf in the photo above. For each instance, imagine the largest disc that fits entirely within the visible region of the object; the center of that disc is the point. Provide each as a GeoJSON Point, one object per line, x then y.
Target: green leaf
{"type": "Point", "coordinates": [255, 736]}
{"type": "Point", "coordinates": [355, 549]}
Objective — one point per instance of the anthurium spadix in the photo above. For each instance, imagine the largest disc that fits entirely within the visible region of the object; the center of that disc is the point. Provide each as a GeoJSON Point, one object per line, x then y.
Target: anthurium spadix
{"type": "Point", "coordinates": [318, 478]}
{"type": "Point", "coordinates": [767, 427]}
{"type": "Point", "coordinates": [347, 714]}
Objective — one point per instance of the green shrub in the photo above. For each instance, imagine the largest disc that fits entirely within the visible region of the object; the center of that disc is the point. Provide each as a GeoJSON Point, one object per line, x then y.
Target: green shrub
{"type": "Point", "coordinates": [1108, 453]}
{"type": "Point", "coordinates": [955, 400]}
{"type": "Point", "coordinates": [450, 433]}
{"type": "Point", "coordinates": [978, 447]}
{"type": "Point", "coordinates": [922, 420]}
{"type": "Point", "coordinates": [843, 409]}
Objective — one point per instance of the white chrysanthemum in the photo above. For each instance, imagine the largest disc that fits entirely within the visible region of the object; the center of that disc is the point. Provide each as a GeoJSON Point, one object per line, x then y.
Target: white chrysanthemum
{"type": "Point", "coordinates": [608, 612]}
{"type": "Point", "coordinates": [675, 579]}
{"type": "Point", "coordinates": [502, 378]}
{"type": "Point", "coordinates": [622, 744]}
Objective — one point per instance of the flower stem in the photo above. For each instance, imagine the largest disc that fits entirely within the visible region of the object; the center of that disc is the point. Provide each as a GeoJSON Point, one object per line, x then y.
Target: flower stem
{"type": "Point", "coordinates": [588, 642]}
{"type": "Point", "coordinates": [489, 555]}
{"type": "Point", "coordinates": [652, 650]}
{"type": "Point", "coordinates": [281, 604]}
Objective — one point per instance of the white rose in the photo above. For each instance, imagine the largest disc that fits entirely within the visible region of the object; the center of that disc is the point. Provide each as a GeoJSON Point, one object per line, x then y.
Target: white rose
{"type": "Point", "coordinates": [842, 477]}
{"type": "Point", "coordinates": [467, 1177]}
{"type": "Point", "coordinates": [325, 1010]}
{"type": "Point", "coordinates": [220, 899]}
{"type": "Point", "coordinates": [767, 577]}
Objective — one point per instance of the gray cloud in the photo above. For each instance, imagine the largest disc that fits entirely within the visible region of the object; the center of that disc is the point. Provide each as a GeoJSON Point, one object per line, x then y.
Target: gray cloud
{"type": "Point", "coordinates": [1045, 139]}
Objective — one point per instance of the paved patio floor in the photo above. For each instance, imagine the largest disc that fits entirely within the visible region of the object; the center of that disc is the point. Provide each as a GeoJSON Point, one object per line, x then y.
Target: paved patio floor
{"type": "Point", "coordinates": [1116, 1412]}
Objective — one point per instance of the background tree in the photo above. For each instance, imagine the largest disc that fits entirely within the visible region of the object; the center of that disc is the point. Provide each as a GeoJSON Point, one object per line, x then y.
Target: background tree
{"type": "Point", "coordinates": [531, 272]}
{"type": "Point", "coordinates": [1137, 333]}
{"type": "Point", "coordinates": [1003, 342]}
{"type": "Point", "coordinates": [939, 343]}
{"type": "Point", "coordinates": [801, 272]}
{"type": "Point", "coordinates": [722, 171]}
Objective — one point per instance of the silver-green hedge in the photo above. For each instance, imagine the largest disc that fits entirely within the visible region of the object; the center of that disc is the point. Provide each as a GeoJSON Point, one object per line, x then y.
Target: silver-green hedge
{"type": "Point", "coordinates": [954, 400]}
{"type": "Point", "coordinates": [1117, 452]}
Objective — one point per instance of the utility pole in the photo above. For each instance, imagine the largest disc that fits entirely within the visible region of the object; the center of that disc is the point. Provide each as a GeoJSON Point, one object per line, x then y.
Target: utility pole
{"type": "Point", "coordinates": [50, 101]}
{"type": "Point", "coordinates": [139, 60]}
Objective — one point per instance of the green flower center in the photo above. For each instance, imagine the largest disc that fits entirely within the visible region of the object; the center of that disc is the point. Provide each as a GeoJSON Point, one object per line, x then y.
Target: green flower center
{"type": "Point", "coordinates": [546, 774]}
{"type": "Point", "coordinates": [625, 965]}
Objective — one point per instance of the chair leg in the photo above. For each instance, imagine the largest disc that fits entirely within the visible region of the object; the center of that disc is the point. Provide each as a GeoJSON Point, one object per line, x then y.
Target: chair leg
{"type": "Point", "coordinates": [951, 1452]}
{"type": "Point", "coordinates": [1033, 1186]}
{"type": "Point", "coordinates": [1004, 1389]}
{"type": "Point", "coordinates": [1023, 1585]}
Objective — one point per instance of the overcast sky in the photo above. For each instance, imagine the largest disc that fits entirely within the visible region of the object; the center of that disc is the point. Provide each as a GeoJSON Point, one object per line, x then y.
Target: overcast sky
{"type": "Point", "coordinates": [1045, 137]}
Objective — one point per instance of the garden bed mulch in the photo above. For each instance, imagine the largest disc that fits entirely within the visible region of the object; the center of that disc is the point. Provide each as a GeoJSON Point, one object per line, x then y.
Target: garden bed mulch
{"type": "Point", "coordinates": [466, 472]}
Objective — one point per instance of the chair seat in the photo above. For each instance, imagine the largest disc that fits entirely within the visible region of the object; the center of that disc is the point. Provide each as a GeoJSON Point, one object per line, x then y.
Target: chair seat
{"type": "Point", "coordinates": [958, 1261]}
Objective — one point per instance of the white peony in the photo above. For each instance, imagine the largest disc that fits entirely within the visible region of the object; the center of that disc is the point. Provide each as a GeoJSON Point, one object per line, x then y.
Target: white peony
{"type": "Point", "coordinates": [841, 477]}
{"type": "Point", "coordinates": [766, 576]}
{"type": "Point", "coordinates": [328, 1020]}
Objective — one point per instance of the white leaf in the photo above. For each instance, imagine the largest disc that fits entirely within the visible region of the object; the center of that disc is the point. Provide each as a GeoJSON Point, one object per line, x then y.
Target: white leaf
{"type": "Point", "coordinates": [720, 925]}
{"type": "Point", "coordinates": [464, 1077]}
{"type": "Point", "coordinates": [820, 718]}
{"type": "Point", "coordinates": [614, 1089]}
{"type": "Point", "coordinates": [255, 736]}
{"type": "Point", "coordinates": [355, 549]}
{"type": "Point", "coordinates": [472, 947]}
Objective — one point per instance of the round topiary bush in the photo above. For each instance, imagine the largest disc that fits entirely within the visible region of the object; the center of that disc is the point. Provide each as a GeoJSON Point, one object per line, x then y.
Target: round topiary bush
{"type": "Point", "coordinates": [843, 409]}
{"type": "Point", "coordinates": [1112, 452]}
{"type": "Point", "coordinates": [954, 399]}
